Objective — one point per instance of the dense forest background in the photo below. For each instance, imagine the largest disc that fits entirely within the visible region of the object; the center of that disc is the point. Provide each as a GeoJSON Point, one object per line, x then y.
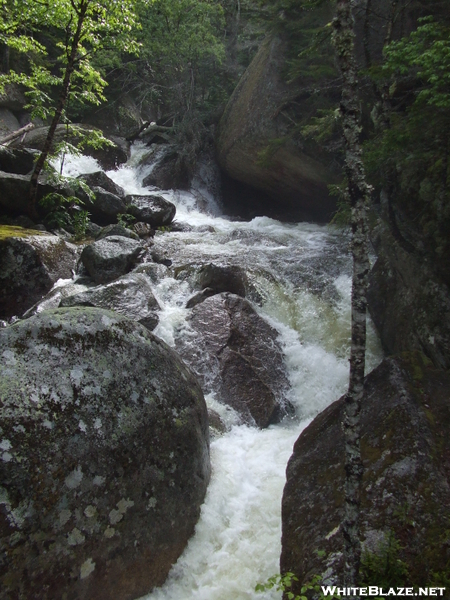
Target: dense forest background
{"type": "Point", "coordinates": [176, 63]}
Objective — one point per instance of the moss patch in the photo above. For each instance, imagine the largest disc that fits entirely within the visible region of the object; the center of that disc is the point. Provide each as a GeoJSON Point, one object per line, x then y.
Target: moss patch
{"type": "Point", "coordinates": [8, 231]}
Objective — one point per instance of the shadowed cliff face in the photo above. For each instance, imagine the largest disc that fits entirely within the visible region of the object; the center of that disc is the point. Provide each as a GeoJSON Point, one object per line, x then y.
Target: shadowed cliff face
{"type": "Point", "coordinates": [252, 120]}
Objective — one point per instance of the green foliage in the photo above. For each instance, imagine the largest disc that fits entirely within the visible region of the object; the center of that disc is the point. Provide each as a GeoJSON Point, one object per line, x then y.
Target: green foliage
{"type": "Point", "coordinates": [416, 144]}
{"type": "Point", "coordinates": [126, 220]}
{"type": "Point", "coordinates": [342, 216]}
{"type": "Point", "coordinates": [384, 567]}
{"type": "Point", "coordinates": [107, 23]}
{"type": "Point", "coordinates": [283, 583]}
{"type": "Point", "coordinates": [67, 211]}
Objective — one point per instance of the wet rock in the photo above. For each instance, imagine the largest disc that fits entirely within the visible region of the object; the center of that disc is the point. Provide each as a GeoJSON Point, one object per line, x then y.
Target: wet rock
{"type": "Point", "coordinates": [130, 295]}
{"type": "Point", "coordinates": [143, 230]}
{"type": "Point", "coordinates": [100, 179]}
{"type": "Point", "coordinates": [155, 271]}
{"type": "Point", "coordinates": [116, 230]}
{"type": "Point", "coordinates": [105, 458]}
{"type": "Point", "coordinates": [405, 449]}
{"type": "Point", "coordinates": [111, 257]}
{"type": "Point", "coordinates": [154, 210]}
{"type": "Point", "coordinates": [236, 354]}
{"type": "Point", "coordinates": [199, 297]}
{"type": "Point", "coordinates": [16, 161]}
{"type": "Point", "coordinates": [29, 266]}
{"type": "Point", "coordinates": [105, 207]}
{"type": "Point", "coordinates": [223, 278]}
{"type": "Point", "coordinates": [56, 294]}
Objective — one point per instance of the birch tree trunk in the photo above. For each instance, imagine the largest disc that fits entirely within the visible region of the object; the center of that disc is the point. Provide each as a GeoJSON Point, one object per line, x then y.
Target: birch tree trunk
{"type": "Point", "coordinates": [81, 10]}
{"type": "Point", "coordinates": [359, 193]}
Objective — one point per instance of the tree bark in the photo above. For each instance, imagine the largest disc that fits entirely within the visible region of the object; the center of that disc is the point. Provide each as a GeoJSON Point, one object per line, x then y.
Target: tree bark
{"type": "Point", "coordinates": [359, 194]}
{"type": "Point", "coordinates": [70, 67]}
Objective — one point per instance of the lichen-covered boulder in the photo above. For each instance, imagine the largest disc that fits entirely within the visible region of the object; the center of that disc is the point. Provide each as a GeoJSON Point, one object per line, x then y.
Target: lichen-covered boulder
{"type": "Point", "coordinates": [130, 295]}
{"type": "Point", "coordinates": [111, 257]}
{"type": "Point", "coordinates": [104, 457]}
{"type": "Point", "coordinates": [405, 446]}
{"type": "Point", "coordinates": [153, 209]}
{"type": "Point", "coordinates": [29, 266]}
{"type": "Point", "coordinates": [236, 354]}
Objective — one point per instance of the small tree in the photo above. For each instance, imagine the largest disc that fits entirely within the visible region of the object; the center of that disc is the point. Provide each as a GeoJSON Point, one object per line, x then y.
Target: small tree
{"type": "Point", "coordinates": [87, 26]}
{"type": "Point", "coordinates": [359, 193]}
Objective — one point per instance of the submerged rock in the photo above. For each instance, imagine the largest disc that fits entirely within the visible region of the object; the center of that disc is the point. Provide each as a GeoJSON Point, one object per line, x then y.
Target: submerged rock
{"type": "Point", "coordinates": [405, 448]}
{"type": "Point", "coordinates": [236, 354]}
{"type": "Point", "coordinates": [130, 295]}
{"type": "Point", "coordinates": [111, 257]}
{"type": "Point", "coordinates": [29, 267]}
{"type": "Point", "coordinates": [105, 457]}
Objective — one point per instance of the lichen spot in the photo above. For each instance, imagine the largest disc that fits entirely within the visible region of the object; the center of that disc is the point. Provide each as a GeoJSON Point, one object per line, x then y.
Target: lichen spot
{"type": "Point", "coordinates": [75, 537]}
{"type": "Point", "coordinates": [115, 516]}
{"type": "Point", "coordinates": [123, 505]}
{"type": "Point", "coordinates": [87, 568]}
{"type": "Point", "coordinates": [74, 479]}
{"type": "Point", "coordinates": [109, 532]}
{"type": "Point", "coordinates": [90, 511]}
{"type": "Point", "coordinates": [64, 516]}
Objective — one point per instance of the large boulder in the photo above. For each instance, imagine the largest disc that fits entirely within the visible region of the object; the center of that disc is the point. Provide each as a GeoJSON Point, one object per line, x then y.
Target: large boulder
{"type": "Point", "coordinates": [16, 161]}
{"type": "Point", "coordinates": [236, 354]}
{"type": "Point", "coordinates": [109, 258]}
{"type": "Point", "coordinates": [101, 179]}
{"type": "Point", "coordinates": [105, 207]}
{"type": "Point", "coordinates": [130, 295]}
{"type": "Point", "coordinates": [405, 446]}
{"type": "Point", "coordinates": [253, 118]}
{"type": "Point", "coordinates": [152, 209]}
{"type": "Point", "coordinates": [29, 266]}
{"type": "Point", "coordinates": [408, 301]}
{"type": "Point", "coordinates": [15, 192]}
{"type": "Point", "coordinates": [105, 457]}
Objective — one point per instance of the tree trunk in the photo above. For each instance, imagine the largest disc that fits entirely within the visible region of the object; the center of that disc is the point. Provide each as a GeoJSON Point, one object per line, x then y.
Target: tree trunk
{"type": "Point", "coordinates": [359, 193]}
{"type": "Point", "coordinates": [70, 67]}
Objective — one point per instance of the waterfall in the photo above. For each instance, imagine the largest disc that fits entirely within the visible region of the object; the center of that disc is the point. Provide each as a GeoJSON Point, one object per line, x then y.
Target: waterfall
{"type": "Point", "coordinates": [301, 273]}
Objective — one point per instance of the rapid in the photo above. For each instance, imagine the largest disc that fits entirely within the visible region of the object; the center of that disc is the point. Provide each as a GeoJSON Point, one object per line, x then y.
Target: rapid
{"type": "Point", "coordinates": [301, 277]}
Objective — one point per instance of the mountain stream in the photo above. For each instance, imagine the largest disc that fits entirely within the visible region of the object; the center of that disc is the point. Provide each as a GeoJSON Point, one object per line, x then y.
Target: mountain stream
{"type": "Point", "coordinates": [302, 276]}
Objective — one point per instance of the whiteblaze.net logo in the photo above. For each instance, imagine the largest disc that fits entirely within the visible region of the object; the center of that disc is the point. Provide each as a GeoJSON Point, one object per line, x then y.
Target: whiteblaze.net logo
{"type": "Point", "coordinates": [373, 590]}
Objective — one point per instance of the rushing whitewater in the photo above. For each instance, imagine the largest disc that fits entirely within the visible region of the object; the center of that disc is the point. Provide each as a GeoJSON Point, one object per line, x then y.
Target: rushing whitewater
{"type": "Point", "coordinates": [301, 274]}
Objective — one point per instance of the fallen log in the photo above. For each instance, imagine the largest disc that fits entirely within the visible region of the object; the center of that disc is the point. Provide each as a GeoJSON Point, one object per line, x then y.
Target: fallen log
{"type": "Point", "coordinates": [17, 133]}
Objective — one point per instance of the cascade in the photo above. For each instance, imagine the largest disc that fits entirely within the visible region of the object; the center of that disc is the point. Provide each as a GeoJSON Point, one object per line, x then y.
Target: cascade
{"type": "Point", "coordinates": [302, 276]}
